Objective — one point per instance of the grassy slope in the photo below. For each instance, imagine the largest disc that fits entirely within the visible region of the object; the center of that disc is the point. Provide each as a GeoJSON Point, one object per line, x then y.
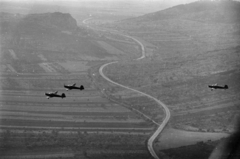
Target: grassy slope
{"type": "Point", "coordinates": [189, 54]}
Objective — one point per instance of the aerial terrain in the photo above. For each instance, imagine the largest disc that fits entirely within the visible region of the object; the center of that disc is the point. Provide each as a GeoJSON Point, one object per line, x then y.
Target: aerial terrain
{"type": "Point", "coordinates": [145, 72]}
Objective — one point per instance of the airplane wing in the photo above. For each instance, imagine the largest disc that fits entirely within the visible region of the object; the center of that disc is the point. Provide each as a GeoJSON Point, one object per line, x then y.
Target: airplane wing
{"type": "Point", "coordinates": [56, 92]}
{"type": "Point", "coordinates": [74, 84]}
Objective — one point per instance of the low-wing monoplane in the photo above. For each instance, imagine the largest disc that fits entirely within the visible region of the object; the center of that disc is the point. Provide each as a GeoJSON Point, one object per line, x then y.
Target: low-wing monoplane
{"type": "Point", "coordinates": [216, 86]}
{"type": "Point", "coordinates": [54, 94]}
{"type": "Point", "coordinates": [73, 86]}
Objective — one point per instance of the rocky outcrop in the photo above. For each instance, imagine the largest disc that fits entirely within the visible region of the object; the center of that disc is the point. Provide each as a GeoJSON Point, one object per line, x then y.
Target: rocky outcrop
{"type": "Point", "coordinates": [61, 21]}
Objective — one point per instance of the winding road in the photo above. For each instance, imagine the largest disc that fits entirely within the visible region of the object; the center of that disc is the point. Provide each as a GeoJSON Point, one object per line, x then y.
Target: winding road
{"type": "Point", "coordinates": [167, 112]}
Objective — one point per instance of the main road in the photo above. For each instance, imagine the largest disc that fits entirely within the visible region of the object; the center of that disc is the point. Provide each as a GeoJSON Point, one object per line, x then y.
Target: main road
{"type": "Point", "coordinates": [167, 112]}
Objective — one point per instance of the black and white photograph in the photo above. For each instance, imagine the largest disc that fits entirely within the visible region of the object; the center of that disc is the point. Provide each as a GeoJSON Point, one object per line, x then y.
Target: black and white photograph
{"type": "Point", "coordinates": [119, 79]}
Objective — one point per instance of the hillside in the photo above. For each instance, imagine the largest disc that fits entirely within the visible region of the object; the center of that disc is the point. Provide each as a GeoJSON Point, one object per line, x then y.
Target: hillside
{"type": "Point", "coordinates": [48, 42]}
{"type": "Point", "coordinates": [202, 11]}
{"type": "Point", "coordinates": [203, 34]}
{"type": "Point", "coordinates": [49, 32]}
{"type": "Point", "coordinates": [61, 21]}
{"type": "Point", "coordinates": [187, 48]}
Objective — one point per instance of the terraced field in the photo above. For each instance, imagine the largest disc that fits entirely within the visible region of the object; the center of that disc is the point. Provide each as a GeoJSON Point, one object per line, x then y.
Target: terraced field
{"type": "Point", "coordinates": [83, 124]}
{"type": "Point", "coordinates": [26, 114]}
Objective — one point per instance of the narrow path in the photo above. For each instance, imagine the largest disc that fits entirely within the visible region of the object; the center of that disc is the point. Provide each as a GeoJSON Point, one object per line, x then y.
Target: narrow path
{"type": "Point", "coordinates": [167, 112]}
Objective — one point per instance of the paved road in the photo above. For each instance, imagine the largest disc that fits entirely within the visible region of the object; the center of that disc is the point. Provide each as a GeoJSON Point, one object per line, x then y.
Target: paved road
{"type": "Point", "coordinates": [167, 112]}
{"type": "Point", "coordinates": [161, 126]}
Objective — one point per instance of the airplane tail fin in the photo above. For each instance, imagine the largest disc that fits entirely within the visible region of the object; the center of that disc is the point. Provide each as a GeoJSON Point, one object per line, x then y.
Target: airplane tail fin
{"type": "Point", "coordinates": [226, 86]}
{"type": "Point", "coordinates": [63, 95]}
{"type": "Point", "coordinates": [81, 87]}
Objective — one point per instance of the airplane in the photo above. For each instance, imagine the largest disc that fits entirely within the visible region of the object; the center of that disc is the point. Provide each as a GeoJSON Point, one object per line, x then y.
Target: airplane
{"type": "Point", "coordinates": [54, 94]}
{"type": "Point", "coordinates": [216, 86]}
{"type": "Point", "coordinates": [73, 86]}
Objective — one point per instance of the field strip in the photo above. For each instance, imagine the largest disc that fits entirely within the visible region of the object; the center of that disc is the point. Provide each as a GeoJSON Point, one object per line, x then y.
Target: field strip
{"type": "Point", "coordinates": [167, 117]}
{"type": "Point", "coordinates": [110, 49]}
{"type": "Point", "coordinates": [41, 56]}
{"type": "Point", "coordinates": [116, 40]}
{"type": "Point", "coordinates": [121, 34]}
{"type": "Point", "coordinates": [13, 54]}
{"type": "Point", "coordinates": [76, 128]}
{"type": "Point", "coordinates": [119, 152]}
{"type": "Point", "coordinates": [70, 119]}
{"type": "Point", "coordinates": [64, 109]}
{"type": "Point", "coordinates": [64, 123]}
{"type": "Point", "coordinates": [11, 68]}
{"type": "Point", "coordinates": [54, 155]}
{"type": "Point", "coordinates": [47, 67]}
{"type": "Point", "coordinates": [128, 113]}
{"type": "Point", "coordinates": [38, 129]}
{"type": "Point", "coordinates": [220, 106]}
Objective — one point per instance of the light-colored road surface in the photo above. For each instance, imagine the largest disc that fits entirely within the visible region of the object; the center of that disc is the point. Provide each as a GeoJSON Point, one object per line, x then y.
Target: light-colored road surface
{"type": "Point", "coordinates": [167, 112]}
{"type": "Point", "coordinates": [162, 125]}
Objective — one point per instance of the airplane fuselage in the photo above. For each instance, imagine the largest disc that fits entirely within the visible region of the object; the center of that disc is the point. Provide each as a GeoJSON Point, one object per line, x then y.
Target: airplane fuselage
{"type": "Point", "coordinates": [51, 95]}
{"type": "Point", "coordinates": [73, 87]}
{"type": "Point", "coordinates": [217, 87]}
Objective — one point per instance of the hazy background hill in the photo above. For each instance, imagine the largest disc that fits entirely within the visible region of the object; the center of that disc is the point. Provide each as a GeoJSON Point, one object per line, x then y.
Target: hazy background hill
{"type": "Point", "coordinates": [78, 8]}
{"type": "Point", "coordinates": [203, 11]}
{"type": "Point", "coordinates": [62, 21]}
{"type": "Point", "coordinates": [204, 34]}
{"type": "Point", "coordinates": [47, 31]}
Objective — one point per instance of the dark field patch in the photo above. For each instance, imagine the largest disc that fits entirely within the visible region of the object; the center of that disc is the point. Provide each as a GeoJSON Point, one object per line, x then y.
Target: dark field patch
{"type": "Point", "coordinates": [19, 122]}
{"type": "Point", "coordinates": [94, 114]}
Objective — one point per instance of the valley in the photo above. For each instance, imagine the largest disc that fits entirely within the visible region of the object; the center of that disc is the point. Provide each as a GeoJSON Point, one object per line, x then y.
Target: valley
{"type": "Point", "coordinates": [30, 122]}
{"type": "Point", "coordinates": [168, 61]}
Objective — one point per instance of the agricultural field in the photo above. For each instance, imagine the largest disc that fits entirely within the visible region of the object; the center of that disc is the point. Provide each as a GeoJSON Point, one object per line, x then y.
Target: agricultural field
{"type": "Point", "coordinates": [31, 118]}
{"type": "Point", "coordinates": [116, 44]}
{"type": "Point", "coordinates": [117, 37]}
{"type": "Point", "coordinates": [86, 123]}
{"type": "Point", "coordinates": [42, 52]}
{"type": "Point", "coordinates": [25, 110]}
{"type": "Point", "coordinates": [26, 114]}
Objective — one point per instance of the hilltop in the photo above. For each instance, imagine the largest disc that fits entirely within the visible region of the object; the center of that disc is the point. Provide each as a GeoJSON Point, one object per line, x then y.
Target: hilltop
{"type": "Point", "coordinates": [202, 30]}
{"type": "Point", "coordinates": [56, 31]}
{"type": "Point", "coordinates": [61, 21]}
{"type": "Point", "coordinates": [202, 11]}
